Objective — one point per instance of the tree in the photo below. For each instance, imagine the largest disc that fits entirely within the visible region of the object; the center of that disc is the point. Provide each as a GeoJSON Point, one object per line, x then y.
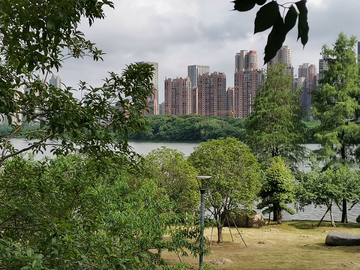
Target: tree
{"type": "Point", "coordinates": [269, 16]}
{"type": "Point", "coordinates": [274, 128]}
{"type": "Point", "coordinates": [278, 190]}
{"type": "Point", "coordinates": [328, 186]}
{"type": "Point", "coordinates": [74, 212]}
{"type": "Point", "coordinates": [66, 213]}
{"type": "Point", "coordinates": [36, 38]}
{"type": "Point", "coordinates": [336, 105]}
{"type": "Point", "coordinates": [176, 177]}
{"type": "Point", "coordinates": [235, 176]}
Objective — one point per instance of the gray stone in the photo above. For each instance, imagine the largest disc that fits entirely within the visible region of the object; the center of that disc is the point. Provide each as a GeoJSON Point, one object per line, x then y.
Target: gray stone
{"type": "Point", "coordinates": [243, 219]}
{"type": "Point", "coordinates": [342, 239]}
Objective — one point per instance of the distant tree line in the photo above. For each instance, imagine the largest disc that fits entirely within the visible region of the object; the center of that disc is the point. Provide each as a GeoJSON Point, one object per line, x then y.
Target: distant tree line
{"type": "Point", "coordinates": [199, 128]}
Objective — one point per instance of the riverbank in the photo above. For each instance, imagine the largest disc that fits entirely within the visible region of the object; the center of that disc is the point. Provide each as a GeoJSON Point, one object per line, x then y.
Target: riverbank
{"type": "Point", "coordinates": [293, 245]}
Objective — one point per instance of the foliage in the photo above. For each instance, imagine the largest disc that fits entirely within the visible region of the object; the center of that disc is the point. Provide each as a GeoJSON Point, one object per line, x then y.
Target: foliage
{"type": "Point", "coordinates": [91, 125]}
{"type": "Point", "coordinates": [36, 38]}
{"type": "Point", "coordinates": [278, 190]}
{"type": "Point", "coordinates": [67, 213]}
{"type": "Point", "coordinates": [176, 177]}
{"type": "Point", "coordinates": [328, 186]}
{"type": "Point", "coordinates": [190, 128]}
{"type": "Point", "coordinates": [75, 212]}
{"type": "Point", "coordinates": [269, 16]}
{"type": "Point", "coordinates": [275, 128]}
{"type": "Point", "coordinates": [235, 176]}
{"type": "Point", "coordinates": [336, 105]}
{"type": "Point", "coordinates": [336, 101]}
{"type": "Point", "coordinates": [358, 219]}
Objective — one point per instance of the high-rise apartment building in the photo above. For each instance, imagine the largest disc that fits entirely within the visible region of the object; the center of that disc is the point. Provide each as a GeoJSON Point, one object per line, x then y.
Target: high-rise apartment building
{"type": "Point", "coordinates": [307, 80]}
{"type": "Point", "coordinates": [247, 79]}
{"type": "Point", "coordinates": [195, 71]}
{"type": "Point", "coordinates": [153, 100]}
{"type": "Point", "coordinates": [178, 96]}
{"type": "Point", "coordinates": [55, 81]}
{"type": "Point", "coordinates": [246, 85]}
{"type": "Point", "coordinates": [245, 60]}
{"type": "Point", "coordinates": [212, 94]}
{"type": "Point", "coordinates": [283, 56]}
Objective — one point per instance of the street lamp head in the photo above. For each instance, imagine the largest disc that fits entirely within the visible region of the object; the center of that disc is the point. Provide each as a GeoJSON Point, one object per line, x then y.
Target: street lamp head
{"type": "Point", "coordinates": [199, 179]}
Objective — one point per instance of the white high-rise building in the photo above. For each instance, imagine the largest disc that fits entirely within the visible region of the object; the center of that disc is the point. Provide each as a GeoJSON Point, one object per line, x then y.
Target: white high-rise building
{"type": "Point", "coordinates": [245, 60]}
{"type": "Point", "coordinates": [55, 81]}
{"type": "Point", "coordinates": [240, 60]}
{"type": "Point", "coordinates": [195, 71]}
{"type": "Point", "coordinates": [283, 56]}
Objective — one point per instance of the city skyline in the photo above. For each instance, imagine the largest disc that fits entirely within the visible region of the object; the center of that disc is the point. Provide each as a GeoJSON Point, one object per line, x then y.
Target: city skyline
{"type": "Point", "coordinates": [205, 93]}
{"type": "Point", "coordinates": [176, 34]}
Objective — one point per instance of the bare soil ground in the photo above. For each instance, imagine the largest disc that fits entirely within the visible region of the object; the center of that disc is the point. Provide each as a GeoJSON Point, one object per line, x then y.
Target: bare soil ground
{"type": "Point", "coordinates": [293, 245]}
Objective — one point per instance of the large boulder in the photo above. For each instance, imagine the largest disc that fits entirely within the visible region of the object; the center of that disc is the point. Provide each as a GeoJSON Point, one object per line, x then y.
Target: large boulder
{"type": "Point", "coordinates": [342, 239]}
{"type": "Point", "coordinates": [243, 219]}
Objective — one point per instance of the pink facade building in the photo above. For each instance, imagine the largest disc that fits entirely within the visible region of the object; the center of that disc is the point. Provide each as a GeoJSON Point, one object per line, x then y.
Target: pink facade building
{"type": "Point", "coordinates": [178, 96]}
{"type": "Point", "coordinates": [246, 84]}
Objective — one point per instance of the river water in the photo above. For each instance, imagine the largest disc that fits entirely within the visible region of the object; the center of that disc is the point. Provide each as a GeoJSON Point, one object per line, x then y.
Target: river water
{"type": "Point", "coordinates": [309, 213]}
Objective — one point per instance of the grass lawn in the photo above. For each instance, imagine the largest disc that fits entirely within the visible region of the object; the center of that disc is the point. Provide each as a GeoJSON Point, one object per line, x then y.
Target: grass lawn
{"type": "Point", "coordinates": [291, 245]}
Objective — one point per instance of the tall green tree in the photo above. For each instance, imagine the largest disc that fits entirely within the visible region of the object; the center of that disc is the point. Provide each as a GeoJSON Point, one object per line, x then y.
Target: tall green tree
{"type": "Point", "coordinates": [274, 128]}
{"type": "Point", "coordinates": [235, 176]}
{"type": "Point", "coordinates": [336, 105]}
{"type": "Point", "coordinates": [278, 190]}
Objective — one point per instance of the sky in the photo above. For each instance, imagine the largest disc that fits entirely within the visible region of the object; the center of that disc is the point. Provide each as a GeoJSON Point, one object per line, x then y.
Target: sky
{"type": "Point", "coordinates": [179, 33]}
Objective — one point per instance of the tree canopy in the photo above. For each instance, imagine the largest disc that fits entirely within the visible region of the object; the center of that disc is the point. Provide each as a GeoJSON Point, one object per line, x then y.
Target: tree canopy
{"type": "Point", "coordinates": [278, 190]}
{"type": "Point", "coordinates": [37, 37]}
{"type": "Point", "coordinates": [176, 177]}
{"type": "Point", "coordinates": [75, 211]}
{"type": "Point", "coordinates": [235, 176]}
{"type": "Point", "coordinates": [336, 105]}
{"type": "Point", "coordinates": [274, 128]}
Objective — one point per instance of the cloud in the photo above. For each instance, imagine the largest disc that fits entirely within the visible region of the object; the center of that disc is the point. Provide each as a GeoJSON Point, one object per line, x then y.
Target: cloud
{"type": "Point", "coordinates": [178, 33]}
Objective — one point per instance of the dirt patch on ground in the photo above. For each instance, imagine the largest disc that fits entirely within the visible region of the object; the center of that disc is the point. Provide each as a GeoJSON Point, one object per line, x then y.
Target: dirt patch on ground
{"type": "Point", "coordinates": [220, 261]}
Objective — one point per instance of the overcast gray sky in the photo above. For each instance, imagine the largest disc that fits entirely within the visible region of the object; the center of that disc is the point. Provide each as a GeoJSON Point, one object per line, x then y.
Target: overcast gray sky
{"type": "Point", "coordinates": [179, 33]}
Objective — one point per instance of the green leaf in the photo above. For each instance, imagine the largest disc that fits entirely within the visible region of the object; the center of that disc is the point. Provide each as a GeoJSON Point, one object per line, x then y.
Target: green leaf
{"type": "Point", "coordinates": [244, 5]}
{"type": "Point", "coordinates": [275, 40]}
{"type": "Point", "coordinates": [261, 2]}
{"type": "Point", "coordinates": [303, 27]}
{"type": "Point", "coordinates": [266, 17]}
{"type": "Point", "coordinates": [290, 18]}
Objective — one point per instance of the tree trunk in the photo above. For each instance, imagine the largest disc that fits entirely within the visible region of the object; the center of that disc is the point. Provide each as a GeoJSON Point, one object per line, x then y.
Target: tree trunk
{"type": "Point", "coordinates": [344, 218]}
{"type": "Point", "coordinates": [219, 229]}
{"type": "Point", "coordinates": [329, 207]}
{"type": "Point", "coordinates": [277, 214]}
{"type": "Point", "coordinates": [279, 218]}
{"type": "Point", "coordinates": [332, 218]}
{"type": "Point", "coordinates": [275, 217]}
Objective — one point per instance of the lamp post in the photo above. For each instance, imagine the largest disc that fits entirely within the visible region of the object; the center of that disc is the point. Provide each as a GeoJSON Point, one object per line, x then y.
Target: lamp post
{"type": "Point", "coordinates": [202, 207]}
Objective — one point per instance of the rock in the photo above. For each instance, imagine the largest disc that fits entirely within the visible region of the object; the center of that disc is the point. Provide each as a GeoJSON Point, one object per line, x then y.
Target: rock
{"type": "Point", "coordinates": [242, 219]}
{"type": "Point", "coordinates": [342, 239]}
